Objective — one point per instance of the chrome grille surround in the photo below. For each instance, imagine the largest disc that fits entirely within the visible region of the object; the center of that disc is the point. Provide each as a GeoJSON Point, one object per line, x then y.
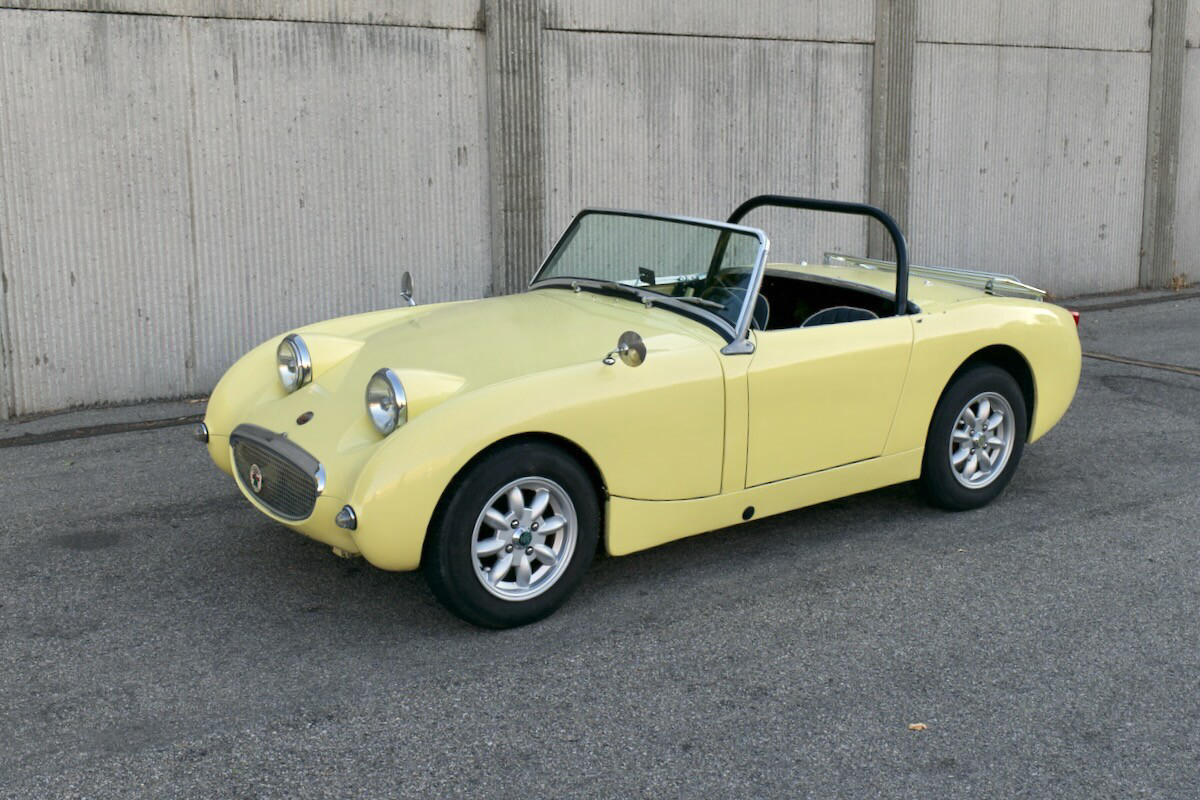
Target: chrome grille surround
{"type": "Point", "coordinates": [289, 479]}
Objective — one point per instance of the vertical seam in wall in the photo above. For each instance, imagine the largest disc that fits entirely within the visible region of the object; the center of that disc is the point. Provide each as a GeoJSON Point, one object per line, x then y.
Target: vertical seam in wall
{"type": "Point", "coordinates": [516, 131]}
{"type": "Point", "coordinates": [891, 116]}
{"type": "Point", "coordinates": [5, 389]}
{"type": "Point", "coordinates": [8, 391]}
{"type": "Point", "coordinates": [1168, 46]}
{"type": "Point", "coordinates": [193, 280]}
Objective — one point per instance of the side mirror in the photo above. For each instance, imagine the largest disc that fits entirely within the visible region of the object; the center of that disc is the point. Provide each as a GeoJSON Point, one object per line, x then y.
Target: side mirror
{"type": "Point", "coordinates": [630, 349]}
{"type": "Point", "coordinates": [406, 289]}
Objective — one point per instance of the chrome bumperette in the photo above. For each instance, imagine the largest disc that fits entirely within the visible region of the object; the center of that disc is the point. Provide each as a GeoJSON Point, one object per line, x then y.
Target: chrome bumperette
{"type": "Point", "coordinates": [200, 433]}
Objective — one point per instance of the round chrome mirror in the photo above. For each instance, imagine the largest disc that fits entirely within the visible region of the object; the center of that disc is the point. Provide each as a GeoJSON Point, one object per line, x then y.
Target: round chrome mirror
{"type": "Point", "coordinates": [631, 349]}
{"type": "Point", "coordinates": [406, 288]}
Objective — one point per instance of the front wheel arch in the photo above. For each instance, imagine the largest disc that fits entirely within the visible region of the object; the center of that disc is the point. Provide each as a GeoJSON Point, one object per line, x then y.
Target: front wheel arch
{"type": "Point", "coordinates": [581, 456]}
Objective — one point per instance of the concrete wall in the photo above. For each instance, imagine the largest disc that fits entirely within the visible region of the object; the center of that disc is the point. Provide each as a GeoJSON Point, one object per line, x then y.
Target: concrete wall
{"type": "Point", "coordinates": [740, 117]}
{"type": "Point", "coordinates": [176, 189]}
{"type": "Point", "coordinates": [180, 179]}
{"type": "Point", "coordinates": [1006, 177]}
{"type": "Point", "coordinates": [1029, 122]}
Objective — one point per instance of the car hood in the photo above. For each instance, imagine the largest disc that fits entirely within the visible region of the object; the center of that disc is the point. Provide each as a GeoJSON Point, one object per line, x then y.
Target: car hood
{"type": "Point", "coordinates": [443, 349]}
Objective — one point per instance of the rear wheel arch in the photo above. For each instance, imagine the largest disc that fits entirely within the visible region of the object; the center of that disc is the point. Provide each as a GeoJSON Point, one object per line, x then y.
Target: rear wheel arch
{"type": "Point", "coordinates": [975, 439]}
{"type": "Point", "coordinates": [1011, 361]}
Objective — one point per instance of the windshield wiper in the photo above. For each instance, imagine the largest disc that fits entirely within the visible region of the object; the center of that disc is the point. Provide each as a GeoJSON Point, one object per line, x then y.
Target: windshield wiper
{"type": "Point", "coordinates": [700, 301]}
{"type": "Point", "coordinates": [646, 298]}
{"type": "Point", "coordinates": [593, 283]}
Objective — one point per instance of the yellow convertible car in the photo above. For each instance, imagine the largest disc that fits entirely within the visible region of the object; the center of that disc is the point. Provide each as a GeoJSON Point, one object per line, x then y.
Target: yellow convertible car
{"type": "Point", "coordinates": [658, 379]}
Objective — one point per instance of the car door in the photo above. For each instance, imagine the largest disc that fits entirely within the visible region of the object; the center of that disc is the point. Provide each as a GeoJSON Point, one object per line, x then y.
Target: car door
{"type": "Point", "coordinates": [823, 396]}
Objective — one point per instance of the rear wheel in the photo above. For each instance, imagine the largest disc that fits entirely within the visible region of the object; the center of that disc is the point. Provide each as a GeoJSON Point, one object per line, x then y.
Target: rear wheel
{"type": "Point", "coordinates": [514, 536]}
{"type": "Point", "coordinates": [975, 439]}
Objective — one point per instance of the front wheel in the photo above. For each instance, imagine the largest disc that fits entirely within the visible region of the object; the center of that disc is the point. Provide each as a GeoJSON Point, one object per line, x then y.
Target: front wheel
{"type": "Point", "coordinates": [975, 439]}
{"type": "Point", "coordinates": [513, 537]}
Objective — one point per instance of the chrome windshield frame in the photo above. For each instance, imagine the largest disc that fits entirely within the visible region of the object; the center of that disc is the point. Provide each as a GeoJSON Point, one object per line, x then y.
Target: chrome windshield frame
{"type": "Point", "coordinates": [736, 335]}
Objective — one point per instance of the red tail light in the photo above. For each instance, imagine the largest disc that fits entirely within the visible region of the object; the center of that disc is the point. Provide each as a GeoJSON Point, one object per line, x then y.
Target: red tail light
{"type": "Point", "coordinates": [1075, 316]}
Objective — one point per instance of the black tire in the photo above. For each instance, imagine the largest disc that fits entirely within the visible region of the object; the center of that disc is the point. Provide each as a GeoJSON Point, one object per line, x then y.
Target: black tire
{"type": "Point", "coordinates": [939, 483]}
{"type": "Point", "coordinates": [449, 561]}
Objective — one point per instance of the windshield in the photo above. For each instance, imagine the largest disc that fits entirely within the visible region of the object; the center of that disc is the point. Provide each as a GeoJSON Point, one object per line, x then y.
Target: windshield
{"type": "Point", "coordinates": [684, 265]}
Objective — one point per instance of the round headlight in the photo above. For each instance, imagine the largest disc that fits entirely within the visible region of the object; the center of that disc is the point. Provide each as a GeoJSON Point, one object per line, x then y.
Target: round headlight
{"type": "Point", "coordinates": [387, 406]}
{"type": "Point", "coordinates": [295, 366]}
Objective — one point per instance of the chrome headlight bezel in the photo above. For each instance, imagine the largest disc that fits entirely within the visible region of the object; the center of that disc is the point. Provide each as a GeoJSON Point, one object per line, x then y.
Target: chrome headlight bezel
{"type": "Point", "coordinates": [387, 404]}
{"type": "Point", "coordinates": [302, 374]}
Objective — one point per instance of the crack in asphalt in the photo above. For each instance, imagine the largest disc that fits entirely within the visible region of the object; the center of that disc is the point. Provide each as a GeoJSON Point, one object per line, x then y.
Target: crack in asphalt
{"type": "Point", "coordinates": [28, 439]}
{"type": "Point", "coordinates": [1137, 362]}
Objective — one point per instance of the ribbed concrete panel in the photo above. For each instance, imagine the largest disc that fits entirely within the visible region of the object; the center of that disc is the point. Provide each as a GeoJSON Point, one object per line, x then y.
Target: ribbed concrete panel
{"type": "Point", "coordinates": [516, 130]}
{"type": "Point", "coordinates": [329, 159]}
{"type": "Point", "coordinates": [1193, 24]}
{"type": "Point", "coordinates": [94, 237]}
{"type": "Point", "coordinates": [734, 119]}
{"type": "Point", "coordinates": [1030, 161]}
{"type": "Point", "coordinates": [428, 13]}
{"type": "Point", "coordinates": [846, 21]}
{"type": "Point", "coordinates": [1187, 207]}
{"type": "Point", "coordinates": [1093, 24]}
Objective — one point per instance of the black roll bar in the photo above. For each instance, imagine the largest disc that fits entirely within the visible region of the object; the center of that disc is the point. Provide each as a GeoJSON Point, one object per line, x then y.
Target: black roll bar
{"type": "Point", "coordinates": [841, 207]}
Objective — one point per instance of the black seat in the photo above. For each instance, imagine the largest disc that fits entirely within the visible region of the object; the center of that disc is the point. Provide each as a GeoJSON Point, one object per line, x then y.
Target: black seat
{"type": "Point", "coordinates": [836, 314]}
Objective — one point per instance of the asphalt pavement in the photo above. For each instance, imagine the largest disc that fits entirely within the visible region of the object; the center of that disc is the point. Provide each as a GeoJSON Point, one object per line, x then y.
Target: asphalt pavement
{"type": "Point", "coordinates": [159, 638]}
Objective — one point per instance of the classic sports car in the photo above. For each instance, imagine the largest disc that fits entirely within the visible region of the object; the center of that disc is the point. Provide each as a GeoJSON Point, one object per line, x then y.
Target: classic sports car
{"type": "Point", "coordinates": [658, 379]}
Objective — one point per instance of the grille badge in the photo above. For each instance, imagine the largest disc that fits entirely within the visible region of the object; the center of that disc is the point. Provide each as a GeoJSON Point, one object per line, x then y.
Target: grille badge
{"type": "Point", "coordinates": [256, 478]}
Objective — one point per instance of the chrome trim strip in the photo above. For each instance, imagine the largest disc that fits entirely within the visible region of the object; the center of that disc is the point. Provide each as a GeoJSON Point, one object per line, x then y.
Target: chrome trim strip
{"type": "Point", "coordinates": [993, 283]}
{"type": "Point", "coordinates": [742, 330]}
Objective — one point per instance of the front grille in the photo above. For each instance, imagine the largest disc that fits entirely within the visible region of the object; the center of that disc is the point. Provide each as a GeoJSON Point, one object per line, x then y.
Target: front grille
{"type": "Point", "coordinates": [286, 476]}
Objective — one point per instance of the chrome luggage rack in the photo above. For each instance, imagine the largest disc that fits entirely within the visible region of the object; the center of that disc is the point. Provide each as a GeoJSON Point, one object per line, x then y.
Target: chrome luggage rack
{"type": "Point", "coordinates": [994, 283]}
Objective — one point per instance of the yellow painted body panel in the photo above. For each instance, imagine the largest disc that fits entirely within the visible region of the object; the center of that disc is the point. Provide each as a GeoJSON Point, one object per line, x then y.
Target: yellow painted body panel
{"type": "Point", "coordinates": [638, 524]}
{"type": "Point", "coordinates": [824, 396]}
{"type": "Point", "coordinates": [676, 440]}
{"type": "Point", "coordinates": [476, 373]}
{"type": "Point", "coordinates": [1043, 334]}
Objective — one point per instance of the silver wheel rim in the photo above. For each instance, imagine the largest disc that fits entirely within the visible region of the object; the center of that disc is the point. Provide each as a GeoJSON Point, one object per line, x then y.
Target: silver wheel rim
{"type": "Point", "coordinates": [981, 440]}
{"type": "Point", "coordinates": [524, 538]}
